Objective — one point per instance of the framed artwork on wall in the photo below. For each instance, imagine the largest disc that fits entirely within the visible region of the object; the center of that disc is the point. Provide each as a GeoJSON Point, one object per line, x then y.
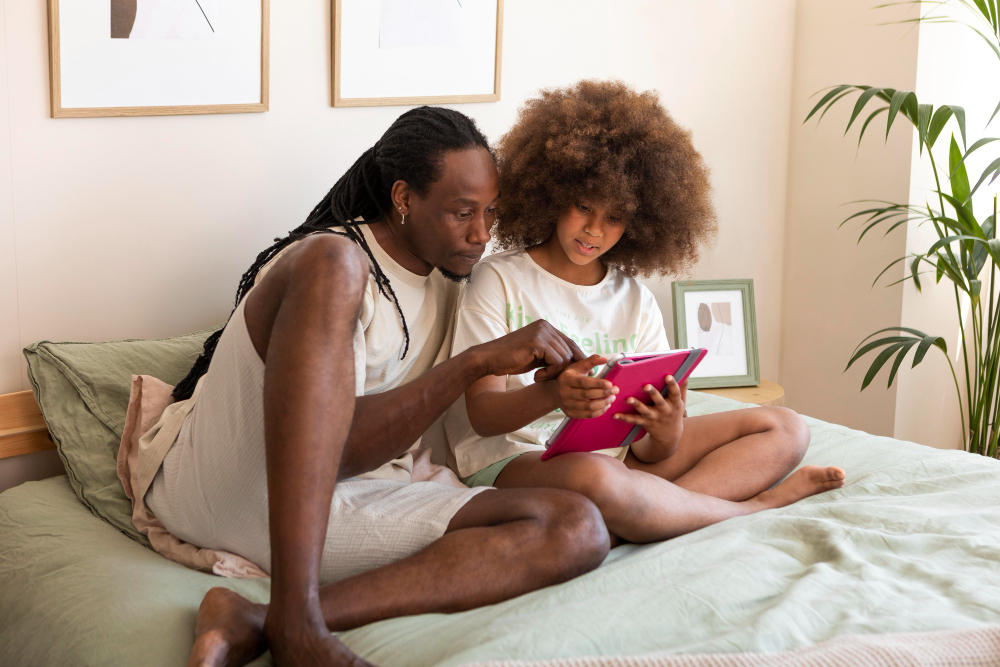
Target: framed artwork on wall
{"type": "Point", "coordinates": [718, 315]}
{"type": "Point", "coordinates": [406, 52]}
{"type": "Point", "coordinates": [157, 57]}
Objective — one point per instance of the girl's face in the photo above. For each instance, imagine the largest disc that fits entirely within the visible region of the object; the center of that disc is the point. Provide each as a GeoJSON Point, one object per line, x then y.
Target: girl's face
{"type": "Point", "coordinates": [588, 229]}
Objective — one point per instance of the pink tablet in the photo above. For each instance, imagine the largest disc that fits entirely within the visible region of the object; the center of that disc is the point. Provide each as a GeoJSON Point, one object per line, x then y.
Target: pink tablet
{"type": "Point", "coordinates": [630, 375]}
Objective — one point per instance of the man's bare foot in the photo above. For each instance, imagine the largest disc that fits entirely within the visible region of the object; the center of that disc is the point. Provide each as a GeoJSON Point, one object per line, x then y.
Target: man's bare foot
{"type": "Point", "coordinates": [308, 644]}
{"type": "Point", "coordinates": [804, 482]}
{"type": "Point", "coordinates": [229, 630]}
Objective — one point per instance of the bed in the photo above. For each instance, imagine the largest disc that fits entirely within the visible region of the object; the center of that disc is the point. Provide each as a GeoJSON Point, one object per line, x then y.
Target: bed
{"type": "Point", "coordinates": [911, 544]}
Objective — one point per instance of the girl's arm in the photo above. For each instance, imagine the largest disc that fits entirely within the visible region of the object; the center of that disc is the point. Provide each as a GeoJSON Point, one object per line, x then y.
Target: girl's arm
{"type": "Point", "coordinates": [494, 411]}
{"type": "Point", "coordinates": [663, 421]}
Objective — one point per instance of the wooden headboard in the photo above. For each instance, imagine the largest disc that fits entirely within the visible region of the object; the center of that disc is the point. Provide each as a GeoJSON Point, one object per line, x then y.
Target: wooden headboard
{"type": "Point", "coordinates": [22, 430]}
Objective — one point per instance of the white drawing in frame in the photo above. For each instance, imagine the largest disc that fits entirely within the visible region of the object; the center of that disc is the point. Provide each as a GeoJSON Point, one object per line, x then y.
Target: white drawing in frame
{"type": "Point", "coordinates": [164, 19]}
{"type": "Point", "coordinates": [715, 321]}
{"type": "Point", "coordinates": [420, 24]}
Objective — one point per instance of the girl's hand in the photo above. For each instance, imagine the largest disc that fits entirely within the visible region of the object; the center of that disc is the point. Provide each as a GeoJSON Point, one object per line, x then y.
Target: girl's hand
{"type": "Point", "coordinates": [579, 395]}
{"type": "Point", "coordinates": [664, 419]}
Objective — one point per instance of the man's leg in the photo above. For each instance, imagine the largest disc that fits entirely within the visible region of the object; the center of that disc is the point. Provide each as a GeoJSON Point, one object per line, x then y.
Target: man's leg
{"type": "Point", "coordinates": [502, 543]}
{"type": "Point", "coordinates": [301, 319]}
{"type": "Point", "coordinates": [733, 455]}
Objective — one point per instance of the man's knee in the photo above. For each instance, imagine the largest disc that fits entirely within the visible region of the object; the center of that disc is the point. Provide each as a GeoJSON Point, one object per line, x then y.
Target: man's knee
{"type": "Point", "coordinates": [574, 529]}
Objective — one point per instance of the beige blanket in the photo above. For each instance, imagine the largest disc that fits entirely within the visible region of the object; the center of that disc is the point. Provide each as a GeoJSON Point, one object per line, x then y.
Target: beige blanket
{"type": "Point", "coordinates": [150, 410]}
{"type": "Point", "coordinates": [951, 648]}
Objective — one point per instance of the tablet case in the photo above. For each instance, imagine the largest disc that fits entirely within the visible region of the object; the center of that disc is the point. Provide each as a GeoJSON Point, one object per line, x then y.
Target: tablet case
{"type": "Point", "coordinates": [630, 375]}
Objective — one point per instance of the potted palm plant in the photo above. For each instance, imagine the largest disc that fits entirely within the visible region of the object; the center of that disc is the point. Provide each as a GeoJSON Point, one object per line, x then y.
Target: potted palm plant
{"type": "Point", "coordinates": [966, 251]}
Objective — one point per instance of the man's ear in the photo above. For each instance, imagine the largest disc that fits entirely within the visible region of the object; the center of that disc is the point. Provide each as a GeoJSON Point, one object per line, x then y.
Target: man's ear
{"type": "Point", "coordinates": [400, 196]}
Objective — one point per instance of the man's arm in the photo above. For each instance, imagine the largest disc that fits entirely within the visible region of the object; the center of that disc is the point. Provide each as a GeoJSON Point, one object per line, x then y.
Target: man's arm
{"type": "Point", "coordinates": [493, 410]}
{"type": "Point", "coordinates": [386, 424]}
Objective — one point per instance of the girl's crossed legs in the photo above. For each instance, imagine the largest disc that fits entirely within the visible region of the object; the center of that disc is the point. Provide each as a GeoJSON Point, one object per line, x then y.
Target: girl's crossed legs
{"type": "Point", "coordinates": [724, 466]}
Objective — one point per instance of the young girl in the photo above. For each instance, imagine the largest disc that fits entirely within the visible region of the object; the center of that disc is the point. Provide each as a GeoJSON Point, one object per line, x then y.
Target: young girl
{"type": "Point", "coordinates": [599, 185]}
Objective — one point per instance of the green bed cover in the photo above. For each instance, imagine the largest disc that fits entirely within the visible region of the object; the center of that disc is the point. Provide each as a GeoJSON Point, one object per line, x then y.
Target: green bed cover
{"type": "Point", "coordinates": [911, 543]}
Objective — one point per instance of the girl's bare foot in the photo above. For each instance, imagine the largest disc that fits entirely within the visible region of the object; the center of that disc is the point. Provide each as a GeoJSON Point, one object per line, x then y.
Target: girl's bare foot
{"type": "Point", "coordinates": [229, 630]}
{"type": "Point", "coordinates": [804, 482]}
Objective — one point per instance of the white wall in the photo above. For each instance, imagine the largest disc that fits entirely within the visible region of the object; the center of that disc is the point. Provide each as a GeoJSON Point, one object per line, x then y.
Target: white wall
{"type": "Point", "coordinates": [9, 317]}
{"type": "Point", "coordinates": [828, 303]}
{"type": "Point", "coordinates": [140, 227]}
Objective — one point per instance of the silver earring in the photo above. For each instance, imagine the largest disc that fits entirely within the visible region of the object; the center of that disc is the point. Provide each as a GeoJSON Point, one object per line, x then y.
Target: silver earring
{"type": "Point", "coordinates": [403, 221]}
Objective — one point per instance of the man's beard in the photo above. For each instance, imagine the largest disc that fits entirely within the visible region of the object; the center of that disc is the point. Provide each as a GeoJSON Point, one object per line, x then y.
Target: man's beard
{"type": "Point", "coordinates": [454, 277]}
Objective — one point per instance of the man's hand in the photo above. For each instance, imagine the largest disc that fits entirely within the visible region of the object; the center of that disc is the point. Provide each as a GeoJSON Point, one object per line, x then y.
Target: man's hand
{"type": "Point", "coordinates": [538, 345]}
{"type": "Point", "coordinates": [579, 395]}
{"type": "Point", "coordinates": [663, 420]}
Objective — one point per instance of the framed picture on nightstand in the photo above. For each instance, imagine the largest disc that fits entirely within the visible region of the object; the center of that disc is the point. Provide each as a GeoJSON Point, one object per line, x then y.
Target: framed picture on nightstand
{"type": "Point", "coordinates": [718, 315]}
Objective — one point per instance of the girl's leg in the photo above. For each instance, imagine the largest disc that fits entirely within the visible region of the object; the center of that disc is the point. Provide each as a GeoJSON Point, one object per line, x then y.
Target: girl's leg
{"type": "Point", "coordinates": [733, 455]}
{"type": "Point", "coordinates": [640, 507]}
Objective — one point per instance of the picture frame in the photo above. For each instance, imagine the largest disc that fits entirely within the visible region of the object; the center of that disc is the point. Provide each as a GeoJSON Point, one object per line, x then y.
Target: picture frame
{"type": "Point", "coordinates": [720, 316]}
{"type": "Point", "coordinates": [100, 67]}
{"type": "Point", "coordinates": [369, 55]}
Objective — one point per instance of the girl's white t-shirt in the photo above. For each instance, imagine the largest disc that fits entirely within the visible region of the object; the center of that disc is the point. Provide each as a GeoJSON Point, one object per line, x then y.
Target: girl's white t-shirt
{"type": "Point", "coordinates": [510, 290]}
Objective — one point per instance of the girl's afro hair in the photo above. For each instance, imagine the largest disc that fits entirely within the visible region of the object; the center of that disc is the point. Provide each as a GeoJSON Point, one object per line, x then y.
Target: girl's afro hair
{"type": "Point", "coordinates": [602, 140]}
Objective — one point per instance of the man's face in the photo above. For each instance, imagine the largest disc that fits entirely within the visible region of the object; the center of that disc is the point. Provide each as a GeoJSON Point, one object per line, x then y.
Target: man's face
{"type": "Point", "coordinates": [449, 227]}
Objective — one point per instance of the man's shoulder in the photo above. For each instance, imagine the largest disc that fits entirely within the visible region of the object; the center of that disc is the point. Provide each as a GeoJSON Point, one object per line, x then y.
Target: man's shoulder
{"type": "Point", "coordinates": [281, 253]}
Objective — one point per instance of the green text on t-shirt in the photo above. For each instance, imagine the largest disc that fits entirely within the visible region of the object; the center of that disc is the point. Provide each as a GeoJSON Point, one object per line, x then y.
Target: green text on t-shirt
{"type": "Point", "coordinates": [596, 342]}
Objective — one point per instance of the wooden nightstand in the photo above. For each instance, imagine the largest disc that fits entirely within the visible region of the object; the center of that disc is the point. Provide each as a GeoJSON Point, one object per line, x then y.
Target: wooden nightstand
{"type": "Point", "coordinates": [768, 393]}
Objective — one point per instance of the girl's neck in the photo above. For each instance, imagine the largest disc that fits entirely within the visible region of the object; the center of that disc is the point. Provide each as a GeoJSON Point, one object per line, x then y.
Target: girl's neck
{"type": "Point", "coordinates": [551, 257]}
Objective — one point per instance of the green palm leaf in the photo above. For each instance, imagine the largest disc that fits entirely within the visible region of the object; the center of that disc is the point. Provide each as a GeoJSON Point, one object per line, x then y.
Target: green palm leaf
{"type": "Point", "coordinates": [881, 342]}
{"type": "Point", "coordinates": [879, 362]}
{"type": "Point", "coordinates": [993, 168]}
{"type": "Point", "coordinates": [899, 360]}
{"type": "Point", "coordinates": [895, 345]}
{"type": "Point", "coordinates": [914, 265]}
{"type": "Point", "coordinates": [899, 98]}
{"type": "Point", "coordinates": [923, 122]}
{"type": "Point", "coordinates": [959, 177]}
{"type": "Point", "coordinates": [826, 98]}
{"type": "Point", "coordinates": [925, 345]}
{"type": "Point", "coordinates": [940, 119]}
{"type": "Point", "coordinates": [976, 146]}
{"type": "Point", "coordinates": [863, 99]}
{"type": "Point", "coordinates": [868, 121]}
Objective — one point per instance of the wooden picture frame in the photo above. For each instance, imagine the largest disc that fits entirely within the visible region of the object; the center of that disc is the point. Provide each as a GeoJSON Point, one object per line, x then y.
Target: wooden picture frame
{"type": "Point", "coordinates": [55, 81]}
{"type": "Point", "coordinates": [337, 100]}
{"type": "Point", "coordinates": [749, 331]}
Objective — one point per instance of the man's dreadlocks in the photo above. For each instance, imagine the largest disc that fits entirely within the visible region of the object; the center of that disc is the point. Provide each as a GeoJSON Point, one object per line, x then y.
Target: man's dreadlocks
{"type": "Point", "coordinates": [411, 150]}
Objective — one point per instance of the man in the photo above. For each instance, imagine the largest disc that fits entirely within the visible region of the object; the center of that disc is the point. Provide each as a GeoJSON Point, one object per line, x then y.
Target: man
{"type": "Point", "coordinates": [300, 414]}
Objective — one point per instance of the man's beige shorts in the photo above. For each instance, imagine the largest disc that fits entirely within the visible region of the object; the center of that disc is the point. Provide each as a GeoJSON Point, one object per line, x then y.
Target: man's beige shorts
{"type": "Point", "coordinates": [212, 488]}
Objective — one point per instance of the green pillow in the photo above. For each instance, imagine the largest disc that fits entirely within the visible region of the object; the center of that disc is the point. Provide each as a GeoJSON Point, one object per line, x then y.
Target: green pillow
{"type": "Point", "coordinates": [83, 390]}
